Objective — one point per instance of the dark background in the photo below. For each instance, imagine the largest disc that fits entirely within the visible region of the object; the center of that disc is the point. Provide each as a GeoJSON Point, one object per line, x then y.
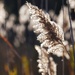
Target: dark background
{"type": "Point", "coordinates": [13, 5]}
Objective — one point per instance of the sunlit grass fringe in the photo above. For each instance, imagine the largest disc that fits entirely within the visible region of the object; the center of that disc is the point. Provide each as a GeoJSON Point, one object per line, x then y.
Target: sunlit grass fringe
{"type": "Point", "coordinates": [51, 37]}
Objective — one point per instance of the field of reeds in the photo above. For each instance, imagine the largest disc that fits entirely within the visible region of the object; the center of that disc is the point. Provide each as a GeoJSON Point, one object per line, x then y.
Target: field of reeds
{"type": "Point", "coordinates": [37, 37]}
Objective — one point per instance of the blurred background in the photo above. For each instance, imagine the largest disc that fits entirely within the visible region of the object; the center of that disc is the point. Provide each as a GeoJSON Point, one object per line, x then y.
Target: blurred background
{"type": "Point", "coordinates": [17, 39]}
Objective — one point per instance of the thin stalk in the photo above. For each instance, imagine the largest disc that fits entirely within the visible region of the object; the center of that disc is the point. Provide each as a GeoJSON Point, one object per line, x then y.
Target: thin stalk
{"type": "Point", "coordinates": [41, 5]}
{"type": "Point", "coordinates": [49, 73]}
{"type": "Point", "coordinates": [31, 68]}
{"type": "Point", "coordinates": [71, 33]}
{"type": "Point", "coordinates": [46, 5]}
{"type": "Point", "coordinates": [55, 9]}
{"type": "Point", "coordinates": [9, 44]}
{"type": "Point", "coordinates": [63, 71]}
{"type": "Point", "coordinates": [8, 64]}
{"type": "Point", "coordinates": [63, 62]}
{"type": "Point", "coordinates": [19, 4]}
{"type": "Point", "coordinates": [33, 2]}
{"type": "Point", "coordinates": [63, 11]}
